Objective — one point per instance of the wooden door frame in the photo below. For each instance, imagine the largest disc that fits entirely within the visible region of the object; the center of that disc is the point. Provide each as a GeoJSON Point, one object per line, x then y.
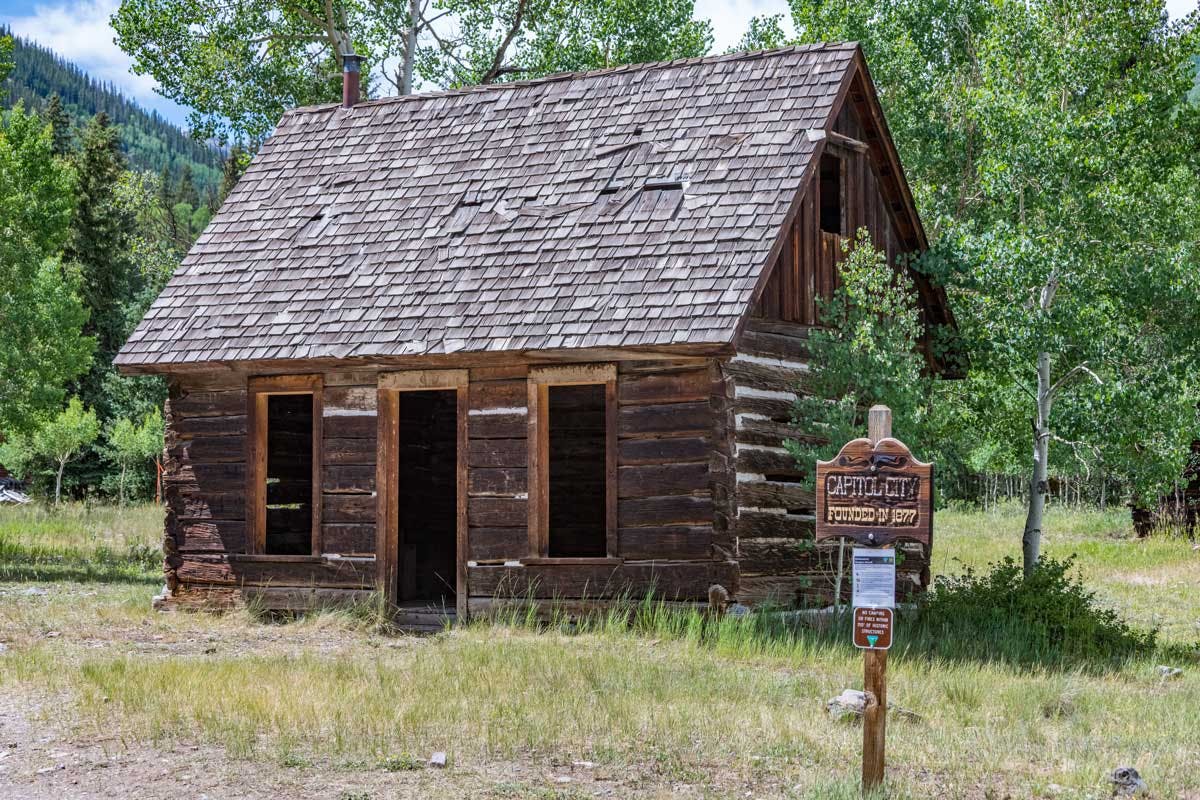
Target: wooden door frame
{"type": "Point", "coordinates": [387, 480]}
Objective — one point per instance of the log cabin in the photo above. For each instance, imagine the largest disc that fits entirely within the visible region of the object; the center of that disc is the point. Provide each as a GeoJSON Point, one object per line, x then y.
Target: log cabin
{"type": "Point", "coordinates": [537, 340]}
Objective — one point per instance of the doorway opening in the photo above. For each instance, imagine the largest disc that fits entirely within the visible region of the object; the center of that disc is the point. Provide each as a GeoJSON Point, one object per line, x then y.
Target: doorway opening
{"type": "Point", "coordinates": [427, 497]}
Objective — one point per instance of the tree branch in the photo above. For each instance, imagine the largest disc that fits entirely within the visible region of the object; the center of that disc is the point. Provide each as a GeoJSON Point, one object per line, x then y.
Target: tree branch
{"type": "Point", "coordinates": [495, 70]}
{"type": "Point", "coordinates": [1076, 370]}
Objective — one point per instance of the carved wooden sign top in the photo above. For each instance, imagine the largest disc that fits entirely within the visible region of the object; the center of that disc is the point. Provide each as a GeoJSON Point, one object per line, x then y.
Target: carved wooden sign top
{"type": "Point", "coordinates": [875, 495]}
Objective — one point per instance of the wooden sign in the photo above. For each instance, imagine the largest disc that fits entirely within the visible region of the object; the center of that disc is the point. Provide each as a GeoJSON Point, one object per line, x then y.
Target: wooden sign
{"type": "Point", "coordinates": [873, 628]}
{"type": "Point", "coordinates": [875, 494]}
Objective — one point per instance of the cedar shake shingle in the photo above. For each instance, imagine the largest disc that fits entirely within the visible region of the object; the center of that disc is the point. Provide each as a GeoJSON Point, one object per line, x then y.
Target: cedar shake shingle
{"type": "Point", "coordinates": [628, 206]}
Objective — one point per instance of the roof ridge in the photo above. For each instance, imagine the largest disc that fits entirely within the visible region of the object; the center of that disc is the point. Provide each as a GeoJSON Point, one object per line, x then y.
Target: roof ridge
{"type": "Point", "coordinates": [741, 55]}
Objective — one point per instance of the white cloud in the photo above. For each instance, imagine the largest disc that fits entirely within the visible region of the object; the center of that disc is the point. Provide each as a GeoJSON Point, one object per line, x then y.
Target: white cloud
{"type": "Point", "coordinates": [80, 32]}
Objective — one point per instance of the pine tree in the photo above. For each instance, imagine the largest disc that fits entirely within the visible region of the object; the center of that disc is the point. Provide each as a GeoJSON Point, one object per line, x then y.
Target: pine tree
{"type": "Point", "coordinates": [100, 244]}
{"type": "Point", "coordinates": [231, 173]}
{"type": "Point", "coordinates": [186, 193]}
{"type": "Point", "coordinates": [60, 126]}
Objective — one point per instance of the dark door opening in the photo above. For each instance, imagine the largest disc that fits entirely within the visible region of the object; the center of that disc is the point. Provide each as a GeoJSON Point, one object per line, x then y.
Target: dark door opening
{"type": "Point", "coordinates": [427, 497]}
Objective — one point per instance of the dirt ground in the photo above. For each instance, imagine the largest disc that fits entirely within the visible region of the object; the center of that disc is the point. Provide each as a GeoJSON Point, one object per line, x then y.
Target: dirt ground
{"type": "Point", "coordinates": [44, 760]}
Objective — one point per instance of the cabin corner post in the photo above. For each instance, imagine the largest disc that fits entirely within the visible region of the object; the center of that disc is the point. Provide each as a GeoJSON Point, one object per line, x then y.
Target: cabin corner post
{"type": "Point", "coordinates": [386, 517]}
{"type": "Point", "coordinates": [462, 475]}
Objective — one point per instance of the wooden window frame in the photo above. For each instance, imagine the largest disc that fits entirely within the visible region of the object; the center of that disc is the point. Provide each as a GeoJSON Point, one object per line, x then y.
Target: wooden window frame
{"type": "Point", "coordinates": [538, 384]}
{"type": "Point", "coordinates": [387, 476]}
{"type": "Point", "coordinates": [258, 389]}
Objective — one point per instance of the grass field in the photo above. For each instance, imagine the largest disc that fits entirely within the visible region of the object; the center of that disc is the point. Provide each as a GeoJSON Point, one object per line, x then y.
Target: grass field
{"type": "Point", "coordinates": [151, 705]}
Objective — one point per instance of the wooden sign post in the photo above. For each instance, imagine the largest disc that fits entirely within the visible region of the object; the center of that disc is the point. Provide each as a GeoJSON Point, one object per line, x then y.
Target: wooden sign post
{"type": "Point", "coordinates": [875, 493]}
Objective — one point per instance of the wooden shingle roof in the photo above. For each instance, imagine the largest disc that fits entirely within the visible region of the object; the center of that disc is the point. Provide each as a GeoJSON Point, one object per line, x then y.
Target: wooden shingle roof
{"type": "Point", "coordinates": [629, 207]}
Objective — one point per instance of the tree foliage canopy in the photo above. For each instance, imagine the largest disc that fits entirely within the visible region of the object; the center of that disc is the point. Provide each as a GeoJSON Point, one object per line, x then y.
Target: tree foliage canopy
{"type": "Point", "coordinates": [240, 65]}
{"type": "Point", "coordinates": [1055, 161]}
{"type": "Point", "coordinates": [41, 316]}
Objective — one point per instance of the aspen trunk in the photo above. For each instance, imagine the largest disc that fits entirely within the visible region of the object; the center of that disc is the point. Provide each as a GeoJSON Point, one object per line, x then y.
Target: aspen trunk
{"type": "Point", "coordinates": [62, 465]}
{"type": "Point", "coordinates": [410, 46]}
{"type": "Point", "coordinates": [1031, 541]}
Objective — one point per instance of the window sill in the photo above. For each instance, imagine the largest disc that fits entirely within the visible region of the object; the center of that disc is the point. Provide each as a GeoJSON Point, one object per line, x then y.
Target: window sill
{"type": "Point", "coordinates": [278, 559]}
{"type": "Point", "coordinates": [563, 561]}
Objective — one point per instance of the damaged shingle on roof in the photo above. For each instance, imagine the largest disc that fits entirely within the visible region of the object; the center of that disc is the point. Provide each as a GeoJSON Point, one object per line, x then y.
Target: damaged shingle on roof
{"type": "Point", "coordinates": [632, 206]}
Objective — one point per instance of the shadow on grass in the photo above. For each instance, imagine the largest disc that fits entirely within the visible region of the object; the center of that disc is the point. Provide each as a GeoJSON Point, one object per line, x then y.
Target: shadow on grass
{"type": "Point", "coordinates": [961, 629]}
{"type": "Point", "coordinates": [75, 573]}
{"type": "Point", "coordinates": [138, 565]}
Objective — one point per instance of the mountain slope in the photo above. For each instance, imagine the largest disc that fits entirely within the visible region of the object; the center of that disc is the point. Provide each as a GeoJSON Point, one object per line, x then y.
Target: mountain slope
{"type": "Point", "coordinates": [149, 141]}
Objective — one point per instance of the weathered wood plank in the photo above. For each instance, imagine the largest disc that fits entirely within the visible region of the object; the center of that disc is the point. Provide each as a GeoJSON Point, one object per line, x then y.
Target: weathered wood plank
{"type": "Point", "coordinates": [774, 494]}
{"type": "Point", "coordinates": [498, 481]}
{"type": "Point", "coordinates": [191, 502]}
{"type": "Point", "coordinates": [348, 508]}
{"type": "Point", "coordinates": [200, 403]}
{"type": "Point", "coordinates": [189, 427]}
{"type": "Point", "coordinates": [758, 524]}
{"type": "Point", "coordinates": [350, 426]}
{"type": "Point", "coordinates": [209, 449]}
{"type": "Point", "coordinates": [355, 478]}
{"type": "Point", "coordinates": [768, 462]}
{"type": "Point", "coordinates": [349, 451]}
{"type": "Point", "coordinates": [497, 512]}
{"type": "Point", "coordinates": [497, 544]}
{"type": "Point", "coordinates": [497, 394]}
{"type": "Point", "coordinates": [657, 511]}
{"type": "Point", "coordinates": [662, 451]}
{"type": "Point", "coordinates": [348, 539]}
{"type": "Point", "coordinates": [211, 478]}
{"type": "Point", "coordinates": [670, 387]}
{"type": "Point", "coordinates": [668, 542]}
{"type": "Point", "coordinates": [679, 580]}
{"type": "Point", "coordinates": [350, 398]}
{"type": "Point", "coordinates": [222, 536]}
{"type": "Point", "coordinates": [766, 376]}
{"type": "Point", "coordinates": [655, 480]}
{"type": "Point", "coordinates": [667, 419]}
{"type": "Point", "coordinates": [497, 426]}
{"type": "Point", "coordinates": [498, 453]}
{"type": "Point", "coordinates": [777, 409]}
{"type": "Point", "coordinates": [276, 572]}
{"type": "Point", "coordinates": [768, 433]}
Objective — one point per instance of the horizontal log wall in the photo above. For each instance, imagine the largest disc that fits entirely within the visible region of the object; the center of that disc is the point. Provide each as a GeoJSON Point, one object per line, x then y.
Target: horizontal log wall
{"type": "Point", "coordinates": [774, 512]}
{"type": "Point", "coordinates": [664, 438]}
{"type": "Point", "coordinates": [349, 429]}
{"type": "Point", "coordinates": [204, 477]}
{"type": "Point", "coordinates": [497, 461]}
{"type": "Point", "coordinates": [204, 489]}
{"type": "Point", "coordinates": [675, 479]}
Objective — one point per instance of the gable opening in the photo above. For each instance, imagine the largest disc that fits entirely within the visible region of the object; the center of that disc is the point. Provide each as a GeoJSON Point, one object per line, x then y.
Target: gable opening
{"type": "Point", "coordinates": [833, 217]}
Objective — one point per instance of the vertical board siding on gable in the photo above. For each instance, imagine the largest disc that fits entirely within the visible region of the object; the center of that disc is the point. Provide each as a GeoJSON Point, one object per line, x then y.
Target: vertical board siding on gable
{"type": "Point", "coordinates": [204, 475]}
{"type": "Point", "coordinates": [497, 461]}
{"type": "Point", "coordinates": [664, 430]}
{"type": "Point", "coordinates": [349, 429]}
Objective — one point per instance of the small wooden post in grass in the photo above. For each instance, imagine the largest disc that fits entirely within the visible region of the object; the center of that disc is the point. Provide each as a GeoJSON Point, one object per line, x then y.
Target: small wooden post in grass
{"type": "Point", "coordinates": [879, 426]}
{"type": "Point", "coordinates": [875, 493]}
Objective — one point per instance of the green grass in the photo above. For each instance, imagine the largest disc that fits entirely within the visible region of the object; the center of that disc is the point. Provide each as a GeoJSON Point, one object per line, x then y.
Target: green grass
{"type": "Point", "coordinates": [81, 542]}
{"type": "Point", "coordinates": [725, 709]}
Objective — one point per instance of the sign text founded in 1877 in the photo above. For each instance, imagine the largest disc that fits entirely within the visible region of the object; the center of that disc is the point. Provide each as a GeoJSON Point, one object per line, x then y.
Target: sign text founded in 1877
{"type": "Point", "coordinates": [875, 494]}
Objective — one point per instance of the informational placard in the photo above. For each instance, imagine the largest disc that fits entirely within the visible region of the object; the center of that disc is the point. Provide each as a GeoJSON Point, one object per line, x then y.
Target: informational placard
{"type": "Point", "coordinates": [873, 628]}
{"type": "Point", "coordinates": [875, 494]}
{"type": "Point", "coordinates": [874, 577]}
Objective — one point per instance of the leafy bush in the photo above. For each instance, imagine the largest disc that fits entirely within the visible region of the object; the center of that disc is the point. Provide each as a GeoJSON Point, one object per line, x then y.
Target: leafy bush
{"type": "Point", "coordinates": [1049, 617]}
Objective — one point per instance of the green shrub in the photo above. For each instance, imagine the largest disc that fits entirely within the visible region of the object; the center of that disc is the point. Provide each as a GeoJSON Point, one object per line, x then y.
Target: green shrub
{"type": "Point", "coordinates": [1048, 618]}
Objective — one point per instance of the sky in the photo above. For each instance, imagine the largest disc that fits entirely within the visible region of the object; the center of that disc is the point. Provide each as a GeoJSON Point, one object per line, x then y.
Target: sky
{"type": "Point", "coordinates": [79, 31]}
